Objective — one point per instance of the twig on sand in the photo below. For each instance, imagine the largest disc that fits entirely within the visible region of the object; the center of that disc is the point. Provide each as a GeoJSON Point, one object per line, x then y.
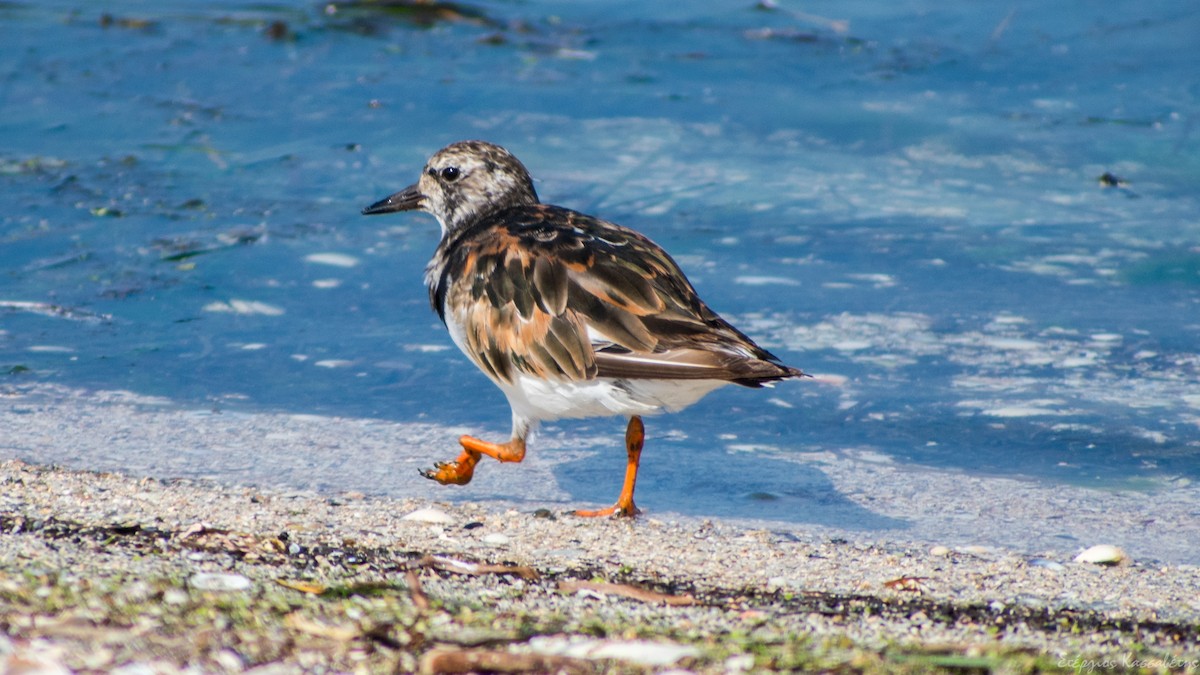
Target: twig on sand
{"type": "Point", "coordinates": [494, 661]}
{"type": "Point", "coordinates": [419, 599]}
{"type": "Point", "coordinates": [445, 564]}
{"type": "Point", "coordinates": [626, 591]}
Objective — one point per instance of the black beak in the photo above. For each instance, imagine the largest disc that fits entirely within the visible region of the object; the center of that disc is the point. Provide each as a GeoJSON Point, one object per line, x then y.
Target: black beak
{"type": "Point", "coordinates": [405, 200]}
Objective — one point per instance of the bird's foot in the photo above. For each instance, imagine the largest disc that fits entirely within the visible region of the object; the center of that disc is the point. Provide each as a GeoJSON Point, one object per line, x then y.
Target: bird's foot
{"type": "Point", "coordinates": [617, 510]}
{"type": "Point", "coordinates": [512, 451]}
{"type": "Point", "coordinates": [635, 436]}
{"type": "Point", "coordinates": [460, 471]}
{"type": "Point", "coordinates": [456, 472]}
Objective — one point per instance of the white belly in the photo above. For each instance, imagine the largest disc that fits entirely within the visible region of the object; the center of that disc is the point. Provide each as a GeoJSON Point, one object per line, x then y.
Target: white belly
{"type": "Point", "coordinates": [541, 400]}
{"type": "Point", "coordinates": [534, 400]}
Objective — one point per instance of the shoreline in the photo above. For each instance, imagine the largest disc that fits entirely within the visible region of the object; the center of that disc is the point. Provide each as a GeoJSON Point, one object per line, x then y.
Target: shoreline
{"type": "Point", "coordinates": [91, 556]}
{"type": "Point", "coordinates": [850, 493]}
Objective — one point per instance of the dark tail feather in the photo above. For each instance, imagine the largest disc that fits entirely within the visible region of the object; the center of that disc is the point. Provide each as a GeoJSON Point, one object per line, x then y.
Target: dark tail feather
{"type": "Point", "coordinates": [766, 380]}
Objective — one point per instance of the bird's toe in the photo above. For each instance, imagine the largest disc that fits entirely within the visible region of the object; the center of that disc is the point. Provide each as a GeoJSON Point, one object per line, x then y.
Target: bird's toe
{"type": "Point", "coordinates": [449, 473]}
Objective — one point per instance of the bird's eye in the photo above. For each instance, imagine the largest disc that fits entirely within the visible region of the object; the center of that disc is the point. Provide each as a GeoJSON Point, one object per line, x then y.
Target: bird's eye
{"type": "Point", "coordinates": [451, 174]}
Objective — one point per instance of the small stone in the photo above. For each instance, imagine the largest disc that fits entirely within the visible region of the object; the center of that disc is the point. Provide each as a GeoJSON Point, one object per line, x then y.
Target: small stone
{"type": "Point", "coordinates": [940, 551]}
{"type": "Point", "coordinates": [1046, 564]}
{"type": "Point", "coordinates": [495, 539]}
{"type": "Point", "coordinates": [979, 551]}
{"type": "Point", "coordinates": [230, 661]}
{"type": "Point", "coordinates": [1104, 554]}
{"type": "Point", "coordinates": [741, 663]}
{"type": "Point", "coordinates": [641, 652]}
{"type": "Point", "coordinates": [218, 582]}
{"type": "Point", "coordinates": [428, 515]}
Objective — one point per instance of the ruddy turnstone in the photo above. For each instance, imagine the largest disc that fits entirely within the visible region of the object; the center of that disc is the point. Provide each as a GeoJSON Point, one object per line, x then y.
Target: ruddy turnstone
{"type": "Point", "coordinates": [571, 316]}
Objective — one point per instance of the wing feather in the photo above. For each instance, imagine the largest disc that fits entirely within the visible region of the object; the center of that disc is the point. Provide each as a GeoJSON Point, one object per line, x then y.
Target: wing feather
{"type": "Point", "coordinates": [550, 280]}
{"type": "Point", "coordinates": [558, 294]}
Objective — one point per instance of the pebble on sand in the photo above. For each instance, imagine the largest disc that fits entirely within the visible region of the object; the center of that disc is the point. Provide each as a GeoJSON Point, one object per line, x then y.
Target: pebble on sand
{"type": "Point", "coordinates": [429, 515]}
{"type": "Point", "coordinates": [218, 582]}
{"type": "Point", "coordinates": [641, 652]}
{"type": "Point", "coordinates": [1104, 554]}
{"type": "Point", "coordinates": [495, 539]}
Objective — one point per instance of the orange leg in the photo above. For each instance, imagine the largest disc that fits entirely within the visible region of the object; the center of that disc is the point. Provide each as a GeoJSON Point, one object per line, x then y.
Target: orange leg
{"type": "Point", "coordinates": [635, 436]}
{"type": "Point", "coordinates": [461, 470]}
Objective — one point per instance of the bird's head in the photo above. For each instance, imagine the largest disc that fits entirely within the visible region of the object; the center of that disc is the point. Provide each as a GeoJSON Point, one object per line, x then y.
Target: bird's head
{"type": "Point", "coordinates": [462, 182]}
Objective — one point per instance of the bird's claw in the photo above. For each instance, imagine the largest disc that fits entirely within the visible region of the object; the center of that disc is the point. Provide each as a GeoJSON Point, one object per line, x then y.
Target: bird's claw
{"type": "Point", "coordinates": [449, 473]}
{"type": "Point", "coordinates": [615, 511]}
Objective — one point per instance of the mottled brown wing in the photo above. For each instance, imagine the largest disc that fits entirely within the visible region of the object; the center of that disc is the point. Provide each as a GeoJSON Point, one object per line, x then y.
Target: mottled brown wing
{"type": "Point", "coordinates": [558, 294]}
{"type": "Point", "coordinates": [512, 307]}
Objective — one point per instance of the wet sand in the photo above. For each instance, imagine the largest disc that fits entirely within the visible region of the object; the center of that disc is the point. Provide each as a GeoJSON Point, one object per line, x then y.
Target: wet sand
{"type": "Point", "coordinates": [845, 493]}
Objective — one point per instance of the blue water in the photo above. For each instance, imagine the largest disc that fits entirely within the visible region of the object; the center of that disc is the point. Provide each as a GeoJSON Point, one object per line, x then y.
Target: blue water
{"type": "Point", "coordinates": [900, 197]}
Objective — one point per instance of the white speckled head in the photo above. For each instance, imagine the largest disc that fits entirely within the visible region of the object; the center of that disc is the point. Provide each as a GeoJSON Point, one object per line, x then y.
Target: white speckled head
{"type": "Point", "coordinates": [462, 182]}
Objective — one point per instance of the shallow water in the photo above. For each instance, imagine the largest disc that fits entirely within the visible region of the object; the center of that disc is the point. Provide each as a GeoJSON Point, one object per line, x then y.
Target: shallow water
{"type": "Point", "coordinates": [902, 198]}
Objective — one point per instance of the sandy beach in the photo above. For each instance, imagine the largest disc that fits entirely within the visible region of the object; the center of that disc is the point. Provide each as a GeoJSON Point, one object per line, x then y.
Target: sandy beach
{"type": "Point", "coordinates": [152, 568]}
